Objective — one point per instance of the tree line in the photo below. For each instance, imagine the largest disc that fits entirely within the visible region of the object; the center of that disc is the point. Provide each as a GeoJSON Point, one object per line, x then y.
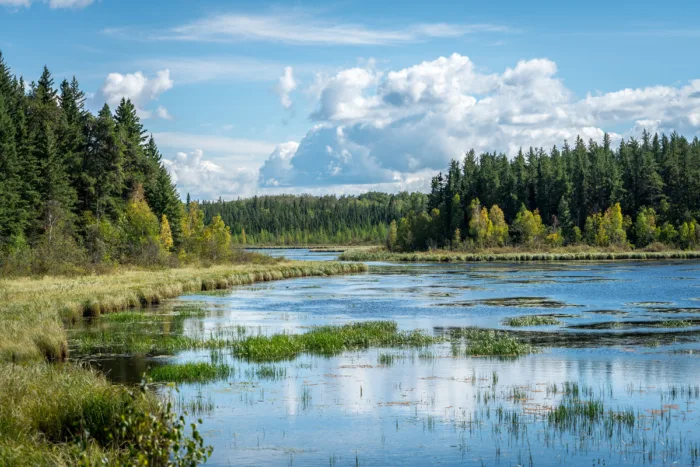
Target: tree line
{"type": "Point", "coordinates": [306, 219]}
{"type": "Point", "coordinates": [78, 188]}
{"type": "Point", "coordinates": [641, 192]}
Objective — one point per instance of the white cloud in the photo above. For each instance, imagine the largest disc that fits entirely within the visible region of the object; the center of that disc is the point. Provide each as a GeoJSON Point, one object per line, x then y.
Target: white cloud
{"type": "Point", "coordinates": [295, 27]}
{"type": "Point", "coordinates": [137, 87]}
{"type": "Point", "coordinates": [54, 4]}
{"type": "Point", "coordinates": [69, 3]}
{"type": "Point", "coordinates": [16, 3]}
{"type": "Point", "coordinates": [204, 179]}
{"type": "Point", "coordinates": [384, 128]}
{"type": "Point", "coordinates": [235, 151]}
{"type": "Point", "coordinates": [285, 85]}
{"type": "Point", "coordinates": [162, 112]}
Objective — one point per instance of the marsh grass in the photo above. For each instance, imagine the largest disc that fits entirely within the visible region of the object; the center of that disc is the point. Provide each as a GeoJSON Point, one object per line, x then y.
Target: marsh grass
{"type": "Point", "coordinates": [63, 415]}
{"type": "Point", "coordinates": [514, 255]}
{"type": "Point", "coordinates": [31, 316]}
{"type": "Point", "coordinates": [328, 340]}
{"type": "Point", "coordinates": [487, 342]}
{"type": "Point", "coordinates": [191, 372]}
{"type": "Point", "coordinates": [532, 320]}
{"type": "Point", "coordinates": [268, 372]}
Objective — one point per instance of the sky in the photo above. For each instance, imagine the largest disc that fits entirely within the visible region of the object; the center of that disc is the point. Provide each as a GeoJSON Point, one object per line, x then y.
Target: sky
{"type": "Point", "coordinates": [250, 97]}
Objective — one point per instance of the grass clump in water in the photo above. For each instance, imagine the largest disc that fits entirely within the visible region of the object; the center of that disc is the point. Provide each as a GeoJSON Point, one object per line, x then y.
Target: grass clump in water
{"type": "Point", "coordinates": [329, 340]}
{"type": "Point", "coordinates": [486, 342]}
{"type": "Point", "coordinates": [677, 323]}
{"type": "Point", "coordinates": [532, 320]}
{"type": "Point", "coordinates": [191, 372]}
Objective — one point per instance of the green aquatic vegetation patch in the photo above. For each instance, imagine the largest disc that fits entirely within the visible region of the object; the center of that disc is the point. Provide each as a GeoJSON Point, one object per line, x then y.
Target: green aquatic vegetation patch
{"type": "Point", "coordinates": [329, 340]}
{"type": "Point", "coordinates": [487, 342]}
{"type": "Point", "coordinates": [532, 320]}
{"type": "Point", "coordinates": [191, 372]}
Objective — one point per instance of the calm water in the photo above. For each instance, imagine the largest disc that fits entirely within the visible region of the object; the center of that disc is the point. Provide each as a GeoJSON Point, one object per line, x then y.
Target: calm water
{"type": "Point", "coordinates": [429, 407]}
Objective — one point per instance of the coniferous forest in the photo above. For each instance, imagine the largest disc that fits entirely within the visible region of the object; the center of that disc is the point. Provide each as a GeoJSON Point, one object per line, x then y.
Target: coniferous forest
{"type": "Point", "coordinates": [639, 193]}
{"type": "Point", "coordinates": [79, 189]}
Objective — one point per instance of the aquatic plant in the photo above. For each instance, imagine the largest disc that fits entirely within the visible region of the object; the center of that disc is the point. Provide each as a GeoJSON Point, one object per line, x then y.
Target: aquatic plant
{"type": "Point", "coordinates": [328, 340]}
{"type": "Point", "coordinates": [532, 320]}
{"type": "Point", "coordinates": [190, 372]}
{"type": "Point", "coordinates": [486, 342]}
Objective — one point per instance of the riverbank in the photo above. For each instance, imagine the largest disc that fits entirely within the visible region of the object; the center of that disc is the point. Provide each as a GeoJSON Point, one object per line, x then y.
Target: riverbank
{"type": "Point", "coordinates": [46, 408]}
{"type": "Point", "coordinates": [514, 255]}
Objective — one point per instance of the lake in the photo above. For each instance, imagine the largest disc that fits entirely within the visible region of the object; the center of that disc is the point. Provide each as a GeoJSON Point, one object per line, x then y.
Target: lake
{"type": "Point", "coordinates": [615, 381]}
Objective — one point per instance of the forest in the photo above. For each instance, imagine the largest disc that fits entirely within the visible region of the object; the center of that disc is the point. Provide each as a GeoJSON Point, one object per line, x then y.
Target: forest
{"type": "Point", "coordinates": [79, 190]}
{"type": "Point", "coordinates": [306, 219]}
{"type": "Point", "coordinates": [640, 193]}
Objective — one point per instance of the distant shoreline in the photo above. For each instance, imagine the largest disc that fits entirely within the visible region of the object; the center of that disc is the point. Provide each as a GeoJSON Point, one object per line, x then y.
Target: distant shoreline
{"type": "Point", "coordinates": [515, 256]}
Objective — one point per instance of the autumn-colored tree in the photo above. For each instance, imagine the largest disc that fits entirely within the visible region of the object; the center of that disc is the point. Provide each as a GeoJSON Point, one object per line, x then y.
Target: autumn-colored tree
{"type": "Point", "coordinates": [528, 226]}
{"type": "Point", "coordinates": [217, 240]}
{"type": "Point", "coordinates": [480, 226]}
{"type": "Point", "coordinates": [140, 226]}
{"type": "Point", "coordinates": [499, 231]}
{"type": "Point", "coordinates": [166, 235]}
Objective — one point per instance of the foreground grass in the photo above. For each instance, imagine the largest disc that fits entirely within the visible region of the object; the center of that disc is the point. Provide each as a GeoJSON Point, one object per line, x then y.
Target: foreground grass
{"type": "Point", "coordinates": [46, 409]}
{"type": "Point", "coordinates": [32, 310]}
{"type": "Point", "coordinates": [515, 255]}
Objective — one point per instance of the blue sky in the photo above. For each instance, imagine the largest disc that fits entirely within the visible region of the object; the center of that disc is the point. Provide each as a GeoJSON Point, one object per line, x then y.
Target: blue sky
{"type": "Point", "coordinates": [348, 96]}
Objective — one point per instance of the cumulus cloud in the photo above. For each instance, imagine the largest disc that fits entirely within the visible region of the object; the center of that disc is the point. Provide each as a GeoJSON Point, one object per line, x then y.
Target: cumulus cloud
{"type": "Point", "coordinates": [137, 87]}
{"type": "Point", "coordinates": [375, 127]}
{"type": "Point", "coordinates": [203, 179]}
{"type": "Point", "coordinates": [285, 85]}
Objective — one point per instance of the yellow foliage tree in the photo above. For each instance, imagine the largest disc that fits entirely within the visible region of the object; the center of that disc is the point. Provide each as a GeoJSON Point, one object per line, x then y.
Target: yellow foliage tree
{"type": "Point", "coordinates": [499, 231]}
{"type": "Point", "coordinates": [166, 235]}
{"type": "Point", "coordinates": [528, 226]}
{"type": "Point", "coordinates": [217, 239]}
{"type": "Point", "coordinates": [480, 226]}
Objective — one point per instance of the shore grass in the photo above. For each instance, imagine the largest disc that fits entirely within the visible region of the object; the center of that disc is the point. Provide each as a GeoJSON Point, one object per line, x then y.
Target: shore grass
{"type": "Point", "coordinates": [32, 310]}
{"type": "Point", "coordinates": [532, 320]}
{"type": "Point", "coordinates": [192, 372]}
{"type": "Point", "coordinates": [46, 409]}
{"type": "Point", "coordinates": [515, 255]}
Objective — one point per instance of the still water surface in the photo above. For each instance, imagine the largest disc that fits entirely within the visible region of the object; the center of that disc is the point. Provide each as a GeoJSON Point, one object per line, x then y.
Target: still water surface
{"type": "Point", "coordinates": [425, 406]}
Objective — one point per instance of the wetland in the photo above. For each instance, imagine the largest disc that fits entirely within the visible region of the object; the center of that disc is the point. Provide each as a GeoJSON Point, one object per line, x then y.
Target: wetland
{"type": "Point", "coordinates": [463, 364]}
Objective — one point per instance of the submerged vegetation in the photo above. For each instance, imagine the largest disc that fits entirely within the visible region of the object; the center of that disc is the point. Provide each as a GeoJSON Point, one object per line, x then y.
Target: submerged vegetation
{"type": "Point", "coordinates": [189, 372]}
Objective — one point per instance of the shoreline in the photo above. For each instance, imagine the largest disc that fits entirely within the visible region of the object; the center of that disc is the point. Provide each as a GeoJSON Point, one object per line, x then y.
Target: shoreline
{"type": "Point", "coordinates": [457, 257]}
